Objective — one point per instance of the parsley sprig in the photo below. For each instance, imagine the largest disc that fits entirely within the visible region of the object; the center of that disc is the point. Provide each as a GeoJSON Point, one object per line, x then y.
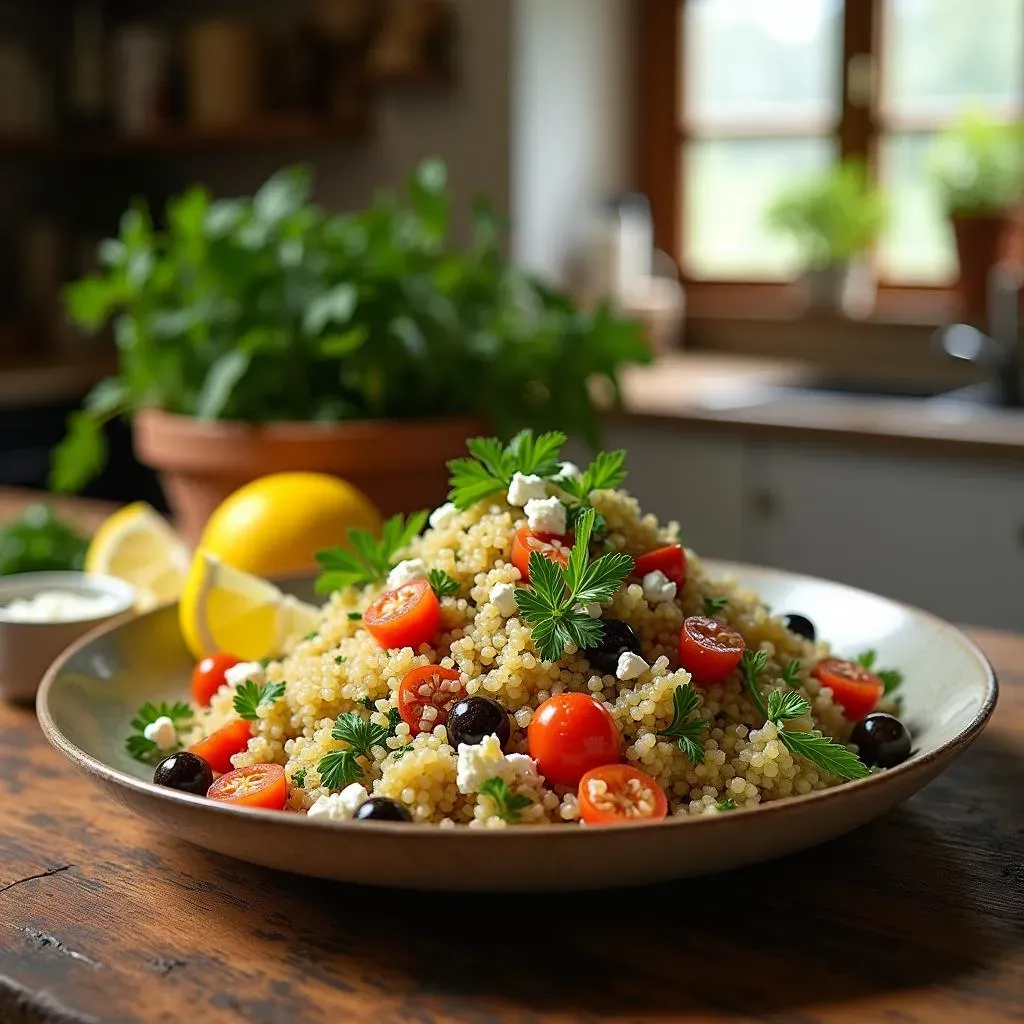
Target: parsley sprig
{"type": "Point", "coordinates": [146, 750]}
{"type": "Point", "coordinates": [370, 558]}
{"type": "Point", "coordinates": [728, 804]}
{"type": "Point", "coordinates": [506, 803]}
{"type": "Point", "coordinates": [686, 731]}
{"type": "Point", "coordinates": [341, 768]}
{"type": "Point", "coordinates": [891, 677]}
{"type": "Point", "coordinates": [791, 673]}
{"type": "Point", "coordinates": [249, 698]}
{"type": "Point", "coordinates": [442, 584]}
{"type": "Point", "coordinates": [608, 470]}
{"type": "Point", "coordinates": [552, 606]}
{"type": "Point", "coordinates": [713, 605]}
{"type": "Point", "coordinates": [493, 465]}
{"type": "Point", "coordinates": [785, 706]}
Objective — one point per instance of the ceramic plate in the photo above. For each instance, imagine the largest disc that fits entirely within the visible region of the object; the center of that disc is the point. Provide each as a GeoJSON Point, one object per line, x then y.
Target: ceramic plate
{"type": "Point", "coordinates": [91, 693]}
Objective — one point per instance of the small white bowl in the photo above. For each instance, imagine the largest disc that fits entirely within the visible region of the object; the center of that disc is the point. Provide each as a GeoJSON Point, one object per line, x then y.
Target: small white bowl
{"type": "Point", "coordinates": [27, 649]}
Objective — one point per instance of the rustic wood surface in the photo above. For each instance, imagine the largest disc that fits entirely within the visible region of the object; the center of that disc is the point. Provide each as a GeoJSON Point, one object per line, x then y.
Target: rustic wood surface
{"type": "Point", "coordinates": [918, 917]}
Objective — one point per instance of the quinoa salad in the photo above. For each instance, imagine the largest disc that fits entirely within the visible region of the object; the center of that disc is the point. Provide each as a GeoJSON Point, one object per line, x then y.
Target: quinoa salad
{"type": "Point", "coordinates": [535, 651]}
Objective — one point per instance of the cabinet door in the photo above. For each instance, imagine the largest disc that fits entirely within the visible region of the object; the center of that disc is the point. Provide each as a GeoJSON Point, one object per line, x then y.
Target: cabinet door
{"type": "Point", "coordinates": [944, 534]}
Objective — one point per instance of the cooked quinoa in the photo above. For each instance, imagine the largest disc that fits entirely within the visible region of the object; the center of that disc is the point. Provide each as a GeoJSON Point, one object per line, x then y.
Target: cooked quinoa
{"type": "Point", "coordinates": [342, 668]}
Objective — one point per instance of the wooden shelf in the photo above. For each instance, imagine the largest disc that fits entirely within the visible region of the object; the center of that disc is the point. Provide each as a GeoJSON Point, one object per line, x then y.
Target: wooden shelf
{"type": "Point", "coordinates": [42, 379]}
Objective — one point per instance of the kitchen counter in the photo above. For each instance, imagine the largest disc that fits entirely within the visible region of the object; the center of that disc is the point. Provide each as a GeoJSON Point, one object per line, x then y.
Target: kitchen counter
{"type": "Point", "coordinates": [723, 394]}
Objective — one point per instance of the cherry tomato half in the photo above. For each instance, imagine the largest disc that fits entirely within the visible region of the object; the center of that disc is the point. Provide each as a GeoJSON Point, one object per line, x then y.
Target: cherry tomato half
{"type": "Point", "coordinates": [219, 747]}
{"type": "Point", "coordinates": [208, 676]}
{"type": "Point", "coordinates": [671, 561]}
{"type": "Point", "coordinates": [256, 785]}
{"type": "Point", "coordinates": [855, 689]}
{"type": "Point", "coordinates": [571, 733]}
{"type": "Point", "coordinates": [426, 696]}
{"type": "Point", "coordinates": [553, 546]}
{"type": "Point", "coordinates": [709, 650]}
{"type": "Point", "coordinates": [405, 617]}
{"type": "Point", "coordinates": [619, 794]}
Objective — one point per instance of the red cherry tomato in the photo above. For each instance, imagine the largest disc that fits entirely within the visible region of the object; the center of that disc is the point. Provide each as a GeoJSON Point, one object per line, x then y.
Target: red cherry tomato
{"type": "Point", "coordinates": [256, 785]}
{"type": "Point", "coordinates": [553, 546]}
{"type": "Point", "coordinates": [709, 650]}
{"type": "Point", "coordinates": [671, 561]}
{"type": "Point", "coordinates": [426, 696]}
{"type": "Point", "coordinates": [219, 747]}
{"type": "Point", "coordinates": [405, 617]}
{"type": "Point", "coordinates": [619, 794]}
{"type": "Point", "coordinates": [571, 733]}
{"type": "Point", "coordinates": [855, 689]}
{"type": "Point", "coordinates": [208, 676]}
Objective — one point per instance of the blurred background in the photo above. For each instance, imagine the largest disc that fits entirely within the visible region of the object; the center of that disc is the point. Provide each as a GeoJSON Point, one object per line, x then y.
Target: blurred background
{"type": "Point", "coordinates": [813, 210]}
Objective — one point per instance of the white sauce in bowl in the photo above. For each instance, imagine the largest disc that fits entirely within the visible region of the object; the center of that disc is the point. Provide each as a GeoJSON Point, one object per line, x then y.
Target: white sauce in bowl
{"type": "Point", "coordinates": [61, 606]}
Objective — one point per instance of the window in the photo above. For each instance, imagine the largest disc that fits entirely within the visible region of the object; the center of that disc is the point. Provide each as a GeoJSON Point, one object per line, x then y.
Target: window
{"type": "Point", "coordinates": [744, 96]}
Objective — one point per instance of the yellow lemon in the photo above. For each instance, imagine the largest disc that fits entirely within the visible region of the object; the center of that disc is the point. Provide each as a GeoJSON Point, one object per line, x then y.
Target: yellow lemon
{"type": "Point", "coordinates": [225, 609]}
{"type": "Point", "coordinates": [276, 524]}
{"type": "Point", "coordinates": [138, 545]}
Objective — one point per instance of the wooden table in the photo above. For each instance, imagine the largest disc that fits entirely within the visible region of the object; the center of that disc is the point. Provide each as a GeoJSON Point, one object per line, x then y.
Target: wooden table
{"type": "Point", "coordinates": [918, 917]}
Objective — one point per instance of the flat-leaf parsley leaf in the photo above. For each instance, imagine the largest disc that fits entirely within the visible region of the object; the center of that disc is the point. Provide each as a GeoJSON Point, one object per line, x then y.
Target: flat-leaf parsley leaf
{"type": "Point", "coordinates": [507, 805]}
{"type": "Point", "coordinates": [685, 731]}
{"type": "Point", "coordinates": [891, 677]}
{"type": "Point", "coordinates": [492, 466]}
{"type": "Point", "coordinates": [370, 558]}
{"type": "Point", "coordinates": [340, 768]}
{"type": "Point", "coordinates": [713, 605]}
{"type": "Point", "coordinates": [442, 584]}
{"type": "Point", "coordinates": [249, 698]}
{"type": "Point", "coordinates": [145, 750]}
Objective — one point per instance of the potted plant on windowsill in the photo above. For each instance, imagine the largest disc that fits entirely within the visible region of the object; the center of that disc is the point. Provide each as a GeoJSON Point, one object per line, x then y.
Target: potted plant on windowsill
{"type": "Point", "coordinates": [264, 334]}
{"type": "Point", "coordinates": [979, 166]}
{"type": "Point", "coordinates": [834, 220]}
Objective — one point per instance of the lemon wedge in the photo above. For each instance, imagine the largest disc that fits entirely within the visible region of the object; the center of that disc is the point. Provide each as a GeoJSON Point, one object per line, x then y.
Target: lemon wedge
{"type": "Point", "coordinates": [138, 545]}
{"type": "Point", "coordinates": [225, 609]}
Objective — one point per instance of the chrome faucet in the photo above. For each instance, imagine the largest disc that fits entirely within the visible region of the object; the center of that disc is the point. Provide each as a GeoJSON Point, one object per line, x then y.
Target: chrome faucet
{"type": "Point", "coordinates": [999, 351]}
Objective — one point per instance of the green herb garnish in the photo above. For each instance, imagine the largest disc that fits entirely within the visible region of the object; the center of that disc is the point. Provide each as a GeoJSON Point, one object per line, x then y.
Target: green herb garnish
{"type": "Point", "coordinates": [783, 706]}
{"type": "Point", "coordinates": [40, 541]}
{"type": "Point", "coordinates": [507, 805]}
{"type": "Point", "coordinates": [370, 559]}
{"type": "Point", "coordinates": [299, 778]}
{"type": "Point", "coordinates": [442, 584]}
{"type": "Point", "coordinates": [790, 674]}
{"type": "Point", "coordinates": [493, 465]}
{"type": "Point", "coordinates": [728, 804]}
{"type": "Point", "coordinates": [684, 730]}
{"type": "Point", "coordinates": [339, 660]}
{"type": "Point", "coordinates": [138, 746]}
{"type": "Point", "coordinates": [890, 677]}
{"type": "Point", "coordinates": [249, 698]}
{"type": "Point", "coordinates": [369, 703]}
{"type": "Point", "coordinates": [713, 605]}
{"type": "Point", "coordinates": [355, 616]}
{"type": "Point", "coordinates": [608, 470]}
{"type": "Point", "coordinates": [550, 607]}
{"type": "Point", "coordinates": [341, 768]}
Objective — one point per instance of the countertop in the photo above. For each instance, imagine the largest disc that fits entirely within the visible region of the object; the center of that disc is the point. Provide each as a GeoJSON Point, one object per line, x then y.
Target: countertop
{"type": "Point", "coordinates": [915, 918]}
{"type": "Point", "coordinates": [757, 397]}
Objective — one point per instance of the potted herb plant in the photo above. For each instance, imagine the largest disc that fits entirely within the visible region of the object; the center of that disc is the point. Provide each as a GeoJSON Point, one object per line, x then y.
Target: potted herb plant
{"type": "Point", "coordinates": [265, 334]}
{"type": "Point", "coordinates": [979, 167]}
{"type": "Point", "coordinates": [834, 220]}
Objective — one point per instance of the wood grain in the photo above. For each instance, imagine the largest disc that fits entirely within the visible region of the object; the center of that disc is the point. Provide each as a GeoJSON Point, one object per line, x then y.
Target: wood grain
{"type": "Point", "coordinates": [918, 917]}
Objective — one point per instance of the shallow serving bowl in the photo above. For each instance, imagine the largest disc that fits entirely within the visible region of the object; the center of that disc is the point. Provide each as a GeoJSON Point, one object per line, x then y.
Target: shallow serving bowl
{"type": "Point", "coordinates": [91, 693]}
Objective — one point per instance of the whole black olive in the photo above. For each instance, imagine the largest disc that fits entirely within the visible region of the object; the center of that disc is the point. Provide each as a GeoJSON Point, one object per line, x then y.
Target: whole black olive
{"type": "Point", "coordinates": [801, 625]}
{"type": "Point", "coordinates": [618, 638]}
{"type": "Point", "coordinates": [380, 808]}
{"type": "Point", "coordinates": [882, 740]}
{"type": "Point", "coordinates": [184, 771]}
{"type": "Point", "coordinates": [473, 718]}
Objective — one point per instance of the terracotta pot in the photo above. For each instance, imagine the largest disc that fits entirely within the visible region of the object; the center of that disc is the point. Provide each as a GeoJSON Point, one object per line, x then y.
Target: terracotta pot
{"type": "Point", "coordinates": [399, 464]}
{"type": "Point", "coordinates": [980, 244]}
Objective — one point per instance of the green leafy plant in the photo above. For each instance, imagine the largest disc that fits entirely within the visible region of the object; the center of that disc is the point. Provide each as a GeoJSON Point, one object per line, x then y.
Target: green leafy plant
{"type": "Point", "coordinates": [146, 750]}
{"type": "Point", "coordinates": [978, 164]}
{"type": "Point", "coordinates": [442, 584]}
{"type": "Point", "coordinates": [831, 218]}
{"type": "Point", "coordinates": [370, 558]}
{"type": "Point", "coordinates": [249, 698]}
{"type": "Point", "coordinates": [40, 541]}
{"type": "Point", "coordinates": [269, 308]}
{"type": "Point", "coordinates": [341, 768]}
{"type": "Point", "coordinates": [491, 465]}
{"type": "Point", "coordinates": [686, 731]}
{"type": "Point", "coordinates": [507, 805]}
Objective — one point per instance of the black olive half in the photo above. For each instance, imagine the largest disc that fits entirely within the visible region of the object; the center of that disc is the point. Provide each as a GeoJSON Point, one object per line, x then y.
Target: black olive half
{"type": "Point", "coordinates": [473, 718]}
{"type": "Point", "coordinates": [380, 808]}
{"type": "Point", "coordinates": [618, 638]}
{"type": "Point", "coordinates": [184, 771]}
{"type": "Point", "coordinates": [801, 625]}
{"type": "Point", "coordinates": [882, 740]}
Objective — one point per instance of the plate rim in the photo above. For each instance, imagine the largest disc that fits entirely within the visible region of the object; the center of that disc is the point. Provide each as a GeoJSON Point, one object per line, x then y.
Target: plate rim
{"type": "Point", "coordinates": [952, 747]}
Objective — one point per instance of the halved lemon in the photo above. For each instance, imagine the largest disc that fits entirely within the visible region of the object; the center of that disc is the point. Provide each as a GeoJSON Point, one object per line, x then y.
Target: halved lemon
{"type": "Point", "coordinates": [138, 545]}
{"type": "Point", "coordinates": [225, 609]}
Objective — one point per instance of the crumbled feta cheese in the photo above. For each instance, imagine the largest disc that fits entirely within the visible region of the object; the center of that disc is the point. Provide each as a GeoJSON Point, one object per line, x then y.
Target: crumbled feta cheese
{"type": "Point", "coordinates": [481, 761]}
{"type": "Point", "coordinates": [571, 470]}
{"type": "Point", "coordinates": [503, 597]}
{"type": "Point", "coordinates": [593, 609]}
{"type": "Point", "coordinates": [238, 674]}
{"type": "Point", "coordinates": [630, 666]}
{"type": "Point", "coordinates": [340, 806]}
{"type": "Point", "coordinates": [410, 569]}
{"type": "Point", "coordinates": [658, 587]}
{"type": "Point", "coordinates": [443, 515]}
{"type": "Point", "coordinates": [162, 733]}
{"type": "Point", "coordinates": [545, 515]}
{"type": "Point", "coordinates": [525, 487]}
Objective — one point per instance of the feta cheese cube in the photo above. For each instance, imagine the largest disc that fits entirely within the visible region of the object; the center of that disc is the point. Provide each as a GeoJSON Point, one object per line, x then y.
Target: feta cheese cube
{"type": "Point", "coordinates": [479, 762]}
{"type": "Point", "coordinates": [630, 666]}
{"type": "Point", "coordinates": [658, 587]}
{"type": "Point", "coordinates": [162, 733]}
{"type": "Point", "coordinates": [524, 487]}
{"type": "Point", "coordinates": [503, 597]}
{"type": "Point", "coordinates": [340, 806]}
{"type": "Point", "coordinates": [570, 469]}
{"type": "Point", "coordinates": [245, 670]}
{"type": "Point", "coordinates": [410, 569]}
{"type": "Point", "coordinates": [443, 515]}
{"type": "Point", "coordinates": [545, 515]}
